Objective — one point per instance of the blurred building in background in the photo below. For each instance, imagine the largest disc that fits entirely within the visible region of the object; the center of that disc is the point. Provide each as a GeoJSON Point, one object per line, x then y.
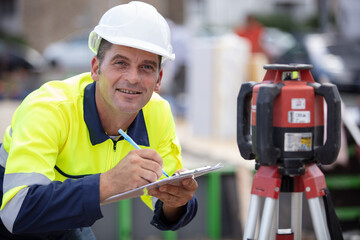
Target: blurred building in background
{"type": "Point", "coordinates": [41, 22]}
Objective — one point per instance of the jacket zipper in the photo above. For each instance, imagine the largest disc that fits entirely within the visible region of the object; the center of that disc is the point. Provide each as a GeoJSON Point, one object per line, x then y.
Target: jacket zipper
{"type": "Point", "coordinates": [114, 144]}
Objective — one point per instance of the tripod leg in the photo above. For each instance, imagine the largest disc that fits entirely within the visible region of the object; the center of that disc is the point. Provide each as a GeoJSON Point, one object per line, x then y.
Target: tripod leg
{"type": "Point", "coordinates": [333, 222]}
{"type": "Point", "coordinates": [267, 218]}
{"type": "Point", "coordinates": [275, 222]}
{"type": "Point", "coordinates": [255, 202]}
{"type": "Point", "coordinates": [317, 211]}
{"type": "Point", "coordinates": [296, 215]}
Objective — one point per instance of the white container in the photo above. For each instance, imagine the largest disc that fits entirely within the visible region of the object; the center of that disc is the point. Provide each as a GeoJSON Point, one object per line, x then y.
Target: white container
{"type": "Point", "coordinates": [216, 70]}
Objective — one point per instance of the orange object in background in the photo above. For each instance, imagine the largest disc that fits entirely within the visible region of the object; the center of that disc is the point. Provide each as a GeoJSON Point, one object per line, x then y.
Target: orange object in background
{"type": "Point", "coordinates": [252, 30]}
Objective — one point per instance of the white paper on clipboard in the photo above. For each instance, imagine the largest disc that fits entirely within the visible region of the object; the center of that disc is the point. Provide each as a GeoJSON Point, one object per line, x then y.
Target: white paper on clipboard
{"type": "Point", "coordinates": [175, 179]}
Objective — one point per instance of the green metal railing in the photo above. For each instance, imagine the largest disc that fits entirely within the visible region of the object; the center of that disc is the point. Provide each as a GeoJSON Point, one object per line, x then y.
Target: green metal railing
{"type": "Point", "coordinates": [124, 214]}
{"type": "Point", "coordinates": [345, 182]}
{"type": "Point", "coordinates": [214, 205]}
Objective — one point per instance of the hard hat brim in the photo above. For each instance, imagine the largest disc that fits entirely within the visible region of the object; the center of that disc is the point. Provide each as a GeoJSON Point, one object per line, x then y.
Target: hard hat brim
{"type": "Point", "coordinates": [94, 42]}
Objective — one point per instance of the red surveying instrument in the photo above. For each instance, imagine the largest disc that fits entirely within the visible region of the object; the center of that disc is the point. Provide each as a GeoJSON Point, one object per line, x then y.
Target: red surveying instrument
{"type": "Point", "coordinates": [280, 124]}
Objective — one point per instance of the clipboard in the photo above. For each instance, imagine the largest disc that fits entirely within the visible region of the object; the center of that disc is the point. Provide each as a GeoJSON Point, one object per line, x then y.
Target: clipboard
{"type": "Point", "coordinates": [174, 180]}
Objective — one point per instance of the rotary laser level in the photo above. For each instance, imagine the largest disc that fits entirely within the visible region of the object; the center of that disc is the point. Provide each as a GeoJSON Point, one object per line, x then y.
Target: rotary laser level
{"type": "Point", "coordinates": [280, 124]}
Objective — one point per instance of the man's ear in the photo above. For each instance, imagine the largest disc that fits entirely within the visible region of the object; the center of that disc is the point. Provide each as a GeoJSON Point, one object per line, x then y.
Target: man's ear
{"type": "Point", "coordinates": [158, 83]}
{"type": "Point", "coordinates": [95, 68]}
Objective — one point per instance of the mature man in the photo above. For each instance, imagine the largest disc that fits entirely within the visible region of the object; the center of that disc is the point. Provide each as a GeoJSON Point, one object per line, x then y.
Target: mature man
{"type": "Point", "coordinates": [62, 155]}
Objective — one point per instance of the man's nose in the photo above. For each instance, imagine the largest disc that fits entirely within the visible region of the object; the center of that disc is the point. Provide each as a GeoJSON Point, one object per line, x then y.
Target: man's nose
{"type": "Point", "coordinates": [133, 75]}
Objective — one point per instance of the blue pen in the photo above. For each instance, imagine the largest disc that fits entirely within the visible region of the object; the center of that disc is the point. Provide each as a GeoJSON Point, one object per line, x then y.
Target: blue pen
{"type": "Point", "coordinates": [131, 141]}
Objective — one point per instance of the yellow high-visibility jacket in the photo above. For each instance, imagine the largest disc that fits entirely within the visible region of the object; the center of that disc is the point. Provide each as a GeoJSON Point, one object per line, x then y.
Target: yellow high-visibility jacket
{"type": "Point", "coordinates": [56, 147]}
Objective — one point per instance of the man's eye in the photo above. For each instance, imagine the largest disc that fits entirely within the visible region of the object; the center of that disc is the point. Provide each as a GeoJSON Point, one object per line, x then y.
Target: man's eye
{"type": "Point", "coordinates": [121, 63]}
{"type": "Point", "coordinates": [148, 67]}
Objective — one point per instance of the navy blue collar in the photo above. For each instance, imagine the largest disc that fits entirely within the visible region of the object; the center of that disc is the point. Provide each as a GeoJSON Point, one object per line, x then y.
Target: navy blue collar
{"type": "Point", "coordinates": [137, 130]}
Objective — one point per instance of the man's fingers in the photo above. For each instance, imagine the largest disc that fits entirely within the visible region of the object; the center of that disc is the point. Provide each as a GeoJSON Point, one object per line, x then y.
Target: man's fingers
{"type": "Point", "coordinates": [190, 184]}
{"type": "Point", "coordinates": [149, 154]}
{"type": "Point", "coordinates": [152, 167]}
{"type": "Point", "coordinates": [188, 187]}
{"type": "Point", "coordinates": [173, 190]}
{"type": "Point", "coordinates": [149, 161]}
{"type": "Point", "coordinates": [167, 196]}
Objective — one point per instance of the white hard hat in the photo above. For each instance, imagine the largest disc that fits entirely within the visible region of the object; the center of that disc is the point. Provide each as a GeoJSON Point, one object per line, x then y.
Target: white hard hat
{"type": "Point", "coordinates": [137, 25]}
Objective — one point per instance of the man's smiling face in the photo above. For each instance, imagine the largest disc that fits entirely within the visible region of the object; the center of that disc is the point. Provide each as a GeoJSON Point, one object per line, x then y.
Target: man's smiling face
{"type": "Point", "coordinates": [126, 78]}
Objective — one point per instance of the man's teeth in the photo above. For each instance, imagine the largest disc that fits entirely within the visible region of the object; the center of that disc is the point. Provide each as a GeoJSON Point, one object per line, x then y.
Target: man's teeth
{"type": "Point", "coordinates": [127, 91]}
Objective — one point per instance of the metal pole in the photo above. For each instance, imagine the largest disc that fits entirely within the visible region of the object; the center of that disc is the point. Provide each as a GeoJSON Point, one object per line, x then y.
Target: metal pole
{"type": "Point", "coordinates": [124, 214]}
{"type": "Point", "coordinates": [296, 214]}
{"type": "Point", "coordinates": [319, 221]}
{"type": "Point", "coordinates": [275, 222]}
{"type": "Point", "coordinates": [253, 215]}
{"type": "Point", "coordinates": [170, 235]}
{"type": "Point", "coordinates": [267, 218]}
{"type": "Point", "coordinates": [214, 205]}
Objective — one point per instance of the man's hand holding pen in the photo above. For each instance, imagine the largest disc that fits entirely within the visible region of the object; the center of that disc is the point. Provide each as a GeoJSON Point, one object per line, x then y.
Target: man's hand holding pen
{"type": "Point", "coordinates": [139, 167]}
{"type": "Point", "coordinates": [143, 166]}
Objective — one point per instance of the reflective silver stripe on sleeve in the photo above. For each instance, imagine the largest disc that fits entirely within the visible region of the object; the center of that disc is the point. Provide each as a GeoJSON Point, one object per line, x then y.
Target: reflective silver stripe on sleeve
{"type": "Point", "coordinates": [9, 213]}
{"type": "Point", "coordinates": [3, 153]}
{"type": "Point", "coordinates": [3, 156]}
{"type": "Point", "coordinates": [12, 180]}
{"type": "Point", "coordinates": [153, 201]}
